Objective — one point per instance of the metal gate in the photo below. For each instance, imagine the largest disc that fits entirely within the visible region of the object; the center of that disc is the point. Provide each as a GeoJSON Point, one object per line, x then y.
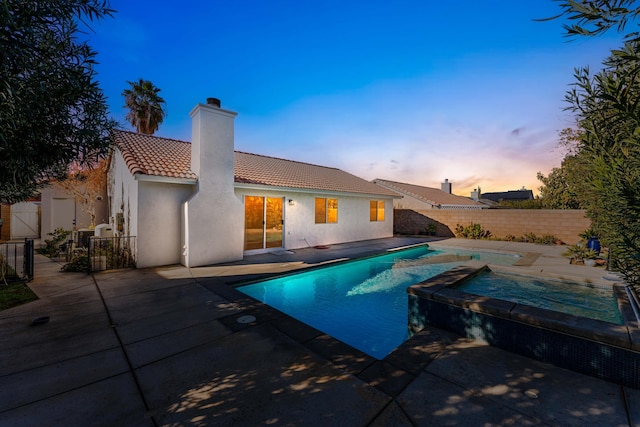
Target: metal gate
{"type": "Point", "coordinates": [16, 261]}
{"type": "Point", "coordinates": [111, 253]}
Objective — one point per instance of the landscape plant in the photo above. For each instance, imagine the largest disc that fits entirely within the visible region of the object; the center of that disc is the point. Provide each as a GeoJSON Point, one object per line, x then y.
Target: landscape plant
{"type": "Point", "coordinates": [579, 252]}
{"type": "Point", "coordinates": [51, 246]}
{"type": "Point", "coordinates": [563, 187]}
{"type": "Point", "coordinates": [472, 231]}
{"type": "Point", "coordinates": [52, 110]}
{"type": "Point", "coordinates": [79, 261]}
{"type": "Point", "coordinates": [607, 108]}
{"type": "Point", "coordinates": [86, 184]}
{"type": "Point", "coordinates": [547, 239]}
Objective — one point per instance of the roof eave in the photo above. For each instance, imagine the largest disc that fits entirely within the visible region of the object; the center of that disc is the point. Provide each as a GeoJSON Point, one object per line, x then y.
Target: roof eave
{"type": "Point", "coordinates": [449, 206]}
{"type": "Point", "coordinates": [309, 190]}
{"type": "Point", "coordinates": [164, 179]}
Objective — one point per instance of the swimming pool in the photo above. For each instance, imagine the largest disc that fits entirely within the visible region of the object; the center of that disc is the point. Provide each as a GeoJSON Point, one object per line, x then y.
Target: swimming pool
{"type": "Point", "coordinates": [363, 302]}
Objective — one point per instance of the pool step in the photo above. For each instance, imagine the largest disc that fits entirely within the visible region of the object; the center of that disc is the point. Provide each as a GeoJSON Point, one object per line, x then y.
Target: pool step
{"type": "Point", "coordinates": [528, 259]}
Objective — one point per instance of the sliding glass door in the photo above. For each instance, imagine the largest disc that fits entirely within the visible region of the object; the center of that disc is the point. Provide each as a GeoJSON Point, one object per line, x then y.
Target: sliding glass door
{"type": "Point", "coordinates": [263, 219]}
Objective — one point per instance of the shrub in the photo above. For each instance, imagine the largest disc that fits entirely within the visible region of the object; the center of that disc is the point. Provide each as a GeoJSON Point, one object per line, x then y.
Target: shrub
{"type": "Point", "coordinates": [79, 262]}
{"type": "Point", "coordinates": [472, 231]}
{"type": "Point", "coordinates": [579, 252]}
{"type": "Point", "coordinates": [52, 246]}
{"type": "Point", "coordinates": [547, 239]}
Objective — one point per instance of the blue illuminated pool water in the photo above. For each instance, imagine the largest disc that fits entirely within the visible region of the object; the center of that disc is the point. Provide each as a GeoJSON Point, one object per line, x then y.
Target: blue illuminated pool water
{"type": "Point", "coordinates": [363, 303]}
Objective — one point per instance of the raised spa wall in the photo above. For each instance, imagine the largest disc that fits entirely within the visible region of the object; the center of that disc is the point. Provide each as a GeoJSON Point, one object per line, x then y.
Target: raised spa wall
{"type": "Point", "coordinates": [593, 347]}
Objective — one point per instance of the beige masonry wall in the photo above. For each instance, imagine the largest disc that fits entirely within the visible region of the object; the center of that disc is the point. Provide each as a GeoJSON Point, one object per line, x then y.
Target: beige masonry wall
{"type": "Point", "coordinates": [562, 223]}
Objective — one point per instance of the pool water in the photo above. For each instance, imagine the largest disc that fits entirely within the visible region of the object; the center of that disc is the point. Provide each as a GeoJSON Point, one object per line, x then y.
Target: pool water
{"type": "Point", "coordinates": [364, 302]}
{"type": "Point", "coordinates": [572, 298]}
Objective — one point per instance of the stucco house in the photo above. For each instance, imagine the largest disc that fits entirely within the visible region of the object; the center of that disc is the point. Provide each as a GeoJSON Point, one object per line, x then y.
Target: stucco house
{"type": "Point", "coordinates": [417, 197]}
{"type": "Point", "coordinates": [201, 202]}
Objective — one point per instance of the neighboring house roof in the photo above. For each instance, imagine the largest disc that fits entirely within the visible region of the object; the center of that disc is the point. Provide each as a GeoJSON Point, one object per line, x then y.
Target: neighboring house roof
{"type": "Point", "coordinates": [433, 196]}
{"type": "Point", "coordinates": [156, 156]}
{"type": "Point", "coordinates": [509, 195]}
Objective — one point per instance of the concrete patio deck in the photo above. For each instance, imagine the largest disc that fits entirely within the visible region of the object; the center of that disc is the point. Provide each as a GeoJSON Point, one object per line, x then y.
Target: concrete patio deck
{"type": "Point", "coordinates": [163, 347]}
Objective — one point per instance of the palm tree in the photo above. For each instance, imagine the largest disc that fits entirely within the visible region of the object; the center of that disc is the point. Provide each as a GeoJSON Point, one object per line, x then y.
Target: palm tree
{"type": "Point", "coordinates": [146, 107]}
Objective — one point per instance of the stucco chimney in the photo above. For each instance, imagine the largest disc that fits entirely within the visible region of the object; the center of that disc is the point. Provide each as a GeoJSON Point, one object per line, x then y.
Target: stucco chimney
{"type": "Point", "coordinates": [212, 134]}
{"type": "Point", "coordinates": [476, 194]}
{"type": "Point", "coordinates": [446, 186]}
{"type": "Point", "coordinates": [213, 215]}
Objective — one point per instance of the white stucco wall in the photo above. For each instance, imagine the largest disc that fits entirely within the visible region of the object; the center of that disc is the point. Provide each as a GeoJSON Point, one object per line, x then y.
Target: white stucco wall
{"type": "Point", "coordinates": [300, 229]}
{"type": "Point", "coordinates": [123, 196]}
{"type": "Point", "coordinates": [159, 239]}
{"type": "Point", "coordinates": [151, 212]}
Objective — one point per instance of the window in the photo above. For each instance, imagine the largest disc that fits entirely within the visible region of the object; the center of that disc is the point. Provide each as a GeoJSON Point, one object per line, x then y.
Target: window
{"type": "Point", "coordinates": [376, 210]}
{"type": "Point", "coordinates": [326, 210]}
{"type": "Point", "coordinates": [332, 210]}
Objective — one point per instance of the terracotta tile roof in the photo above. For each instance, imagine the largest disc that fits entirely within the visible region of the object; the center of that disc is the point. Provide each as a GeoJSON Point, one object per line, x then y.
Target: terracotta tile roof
{"type": "Point", "coordinates": [152, 155]}
{"type": "Point", "coordinates": [155, 156]}
{"type": "Point", "coordinates": [264, 170]}
{"type": "Point", "coordinates": [433, 196]}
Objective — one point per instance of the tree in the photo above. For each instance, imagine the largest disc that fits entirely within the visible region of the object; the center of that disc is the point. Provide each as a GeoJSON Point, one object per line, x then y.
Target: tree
{"type": "Point", "coordinates": [596, 17]}
{"type": "Point", "coordinates": [607, 107]}
{"type": "Point", "coordinates": [85, 184]}
{"type": "Point", "coordinates": [52, 111]}
{"type": "Point", "coordinates": [146, 107]}
{"type": "Point", "coordinates": [564, 187]}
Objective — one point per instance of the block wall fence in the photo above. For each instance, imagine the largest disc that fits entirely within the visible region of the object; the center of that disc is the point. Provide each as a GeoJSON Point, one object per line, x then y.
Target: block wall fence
{"type": "Point", "coordinates": [565, 224]}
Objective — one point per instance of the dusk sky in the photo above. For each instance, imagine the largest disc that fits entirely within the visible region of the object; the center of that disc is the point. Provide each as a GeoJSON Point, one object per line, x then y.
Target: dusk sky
{"type": "Point", "coordinates": [412, 91]}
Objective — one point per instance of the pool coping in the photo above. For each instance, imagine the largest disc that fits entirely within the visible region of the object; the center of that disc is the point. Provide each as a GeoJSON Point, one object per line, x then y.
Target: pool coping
{"type": "Point", "coordinates": [328, 263]}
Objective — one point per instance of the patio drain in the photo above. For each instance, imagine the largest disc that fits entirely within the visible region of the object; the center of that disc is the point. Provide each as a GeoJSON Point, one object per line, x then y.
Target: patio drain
{"type": "Point", "coordinates": [246, 319]}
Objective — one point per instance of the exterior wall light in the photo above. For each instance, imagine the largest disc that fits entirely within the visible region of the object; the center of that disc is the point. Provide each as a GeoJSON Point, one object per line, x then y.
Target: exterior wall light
{"type": "Point", "coordinates": [291, 202]}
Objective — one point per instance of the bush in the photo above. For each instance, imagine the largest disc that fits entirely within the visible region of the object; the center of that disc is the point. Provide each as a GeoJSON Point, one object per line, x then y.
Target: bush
{"type": "Point", "coordinates": [472, 231]}
{"type": "Point", "coordinates": [79, 262]}
{"type": "Point", "coordinates": [547, 239]}
{"type": "Point", "coordinates": [52, 246]}
{"type": "Point", "coordinates": [528, 238]}
{"type": "Point", "coordinates": [579, 252]}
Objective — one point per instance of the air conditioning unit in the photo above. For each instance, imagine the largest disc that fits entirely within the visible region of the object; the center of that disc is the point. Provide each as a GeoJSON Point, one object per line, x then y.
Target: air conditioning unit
{"type": "Point", "coordinates": [104, 230]}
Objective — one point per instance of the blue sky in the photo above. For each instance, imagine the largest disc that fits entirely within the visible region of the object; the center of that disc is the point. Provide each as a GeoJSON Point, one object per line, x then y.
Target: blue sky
{"type": "Point", "coordinates": [414, 91]}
